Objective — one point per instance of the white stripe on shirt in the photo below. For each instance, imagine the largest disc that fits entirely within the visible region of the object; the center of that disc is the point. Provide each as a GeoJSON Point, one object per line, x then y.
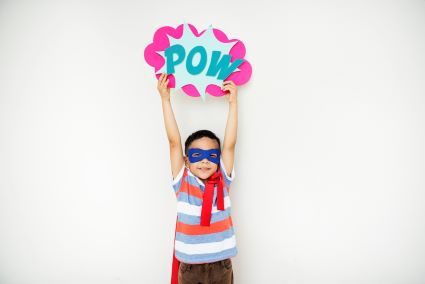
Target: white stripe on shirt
{"type": "Point", "coordinates": [195, 210]}
{"type": "Point", "coordinates": [203, 248]}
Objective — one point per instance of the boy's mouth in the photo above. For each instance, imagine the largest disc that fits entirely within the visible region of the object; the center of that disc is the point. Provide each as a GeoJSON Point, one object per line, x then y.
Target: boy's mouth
{"type": "Point", "coordinates": [204, 169]}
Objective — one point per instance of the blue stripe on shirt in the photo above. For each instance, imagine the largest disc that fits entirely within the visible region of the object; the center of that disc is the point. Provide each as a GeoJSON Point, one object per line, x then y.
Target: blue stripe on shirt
{"type": "Point", "coordinates": [195, 220]}
{"type": "Point", "coordinates": [207, 238]}
{"type": "Point", "coordinates": [207, 257]}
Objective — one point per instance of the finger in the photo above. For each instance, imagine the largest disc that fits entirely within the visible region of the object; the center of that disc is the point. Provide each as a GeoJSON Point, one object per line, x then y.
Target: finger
{"type": "Point", "coordinates": [164, 78]}
{"type": "Point", "coordinates": [163, 75]}
{"type": "Point", "coordinates": [229, 87]}
{"type": "Point", "coordinates": [160, 81]}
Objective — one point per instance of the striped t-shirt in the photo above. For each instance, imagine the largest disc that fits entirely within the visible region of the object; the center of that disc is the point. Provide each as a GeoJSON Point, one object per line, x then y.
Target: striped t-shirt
{"type": "Point", "coordinates": [202, 244]}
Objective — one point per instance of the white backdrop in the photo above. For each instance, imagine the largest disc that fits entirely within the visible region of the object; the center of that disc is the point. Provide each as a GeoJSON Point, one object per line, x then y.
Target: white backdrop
{"type": "Point", "coordinates": [329, 184]}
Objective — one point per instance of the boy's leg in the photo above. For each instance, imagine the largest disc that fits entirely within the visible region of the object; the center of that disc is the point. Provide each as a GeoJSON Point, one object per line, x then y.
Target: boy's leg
{"type": "Point", "coordinates": [193, 273]}
{"type": "Point", "coordinates": [222, 272]}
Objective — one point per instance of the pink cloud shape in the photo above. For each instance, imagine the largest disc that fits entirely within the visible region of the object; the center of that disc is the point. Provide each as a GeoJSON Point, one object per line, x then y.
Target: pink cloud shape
{"type": "Point", "coordinates": [161, 42]}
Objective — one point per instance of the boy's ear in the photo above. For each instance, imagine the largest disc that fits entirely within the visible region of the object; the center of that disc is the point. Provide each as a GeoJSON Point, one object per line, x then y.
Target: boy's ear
{"type": "Point", "coordinates": [186, 161]}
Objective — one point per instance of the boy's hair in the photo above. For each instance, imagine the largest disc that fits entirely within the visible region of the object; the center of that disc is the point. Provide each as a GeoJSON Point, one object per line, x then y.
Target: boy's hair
{"type": "Point", "coordinates": [197, 135]}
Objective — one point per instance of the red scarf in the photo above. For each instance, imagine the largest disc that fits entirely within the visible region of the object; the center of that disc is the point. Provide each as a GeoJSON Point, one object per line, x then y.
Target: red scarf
{"type": "Point", "coordinates": [207, 202]}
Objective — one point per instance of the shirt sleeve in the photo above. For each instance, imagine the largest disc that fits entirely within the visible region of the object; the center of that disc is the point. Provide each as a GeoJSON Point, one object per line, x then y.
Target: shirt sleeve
{"type": "Point", "coordinates": [227, 179]}
{"type": "Point", "coordinates": [176, 182]}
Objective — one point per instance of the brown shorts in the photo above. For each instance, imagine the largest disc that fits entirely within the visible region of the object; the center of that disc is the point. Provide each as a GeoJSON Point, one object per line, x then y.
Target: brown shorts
{"type": "Point", "coordinates": [219, 272]}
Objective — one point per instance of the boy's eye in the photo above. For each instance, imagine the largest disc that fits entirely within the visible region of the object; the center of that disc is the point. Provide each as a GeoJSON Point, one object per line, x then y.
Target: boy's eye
{"type": "Point", "coordinates": [195, 155]}
{"type": "Point", "coordinates": [213, 155]}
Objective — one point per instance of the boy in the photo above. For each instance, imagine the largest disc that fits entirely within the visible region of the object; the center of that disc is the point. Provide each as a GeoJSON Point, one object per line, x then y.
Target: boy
{"type": "Point", "coordinates": [205, 238]}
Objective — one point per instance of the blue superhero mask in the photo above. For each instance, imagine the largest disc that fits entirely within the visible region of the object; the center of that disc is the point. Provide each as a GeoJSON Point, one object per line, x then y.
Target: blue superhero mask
{"type": "Point", "coordinates": [196, 155]}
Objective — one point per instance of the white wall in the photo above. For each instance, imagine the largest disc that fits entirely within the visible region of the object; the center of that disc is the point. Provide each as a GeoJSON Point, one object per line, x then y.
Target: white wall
{"type": "Point", "coordinates": [329, 184]}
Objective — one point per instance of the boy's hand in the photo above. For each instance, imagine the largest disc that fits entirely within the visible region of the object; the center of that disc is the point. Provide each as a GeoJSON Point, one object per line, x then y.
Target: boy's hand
{"type": "Point", "coordinates": [233, 90]}
{"type": "Point", "coordinates": [162, 87]}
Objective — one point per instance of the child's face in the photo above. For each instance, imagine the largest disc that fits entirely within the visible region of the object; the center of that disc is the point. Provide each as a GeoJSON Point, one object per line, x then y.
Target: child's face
{"type": "Point", "coordinates": [205, 168]}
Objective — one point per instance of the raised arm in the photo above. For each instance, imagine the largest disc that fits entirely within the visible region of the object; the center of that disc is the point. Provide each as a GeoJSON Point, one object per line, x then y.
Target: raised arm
{"type": "Point", "coordinates": [230, 134]}
{"type": "Point", "coordinates": [173, 134]}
